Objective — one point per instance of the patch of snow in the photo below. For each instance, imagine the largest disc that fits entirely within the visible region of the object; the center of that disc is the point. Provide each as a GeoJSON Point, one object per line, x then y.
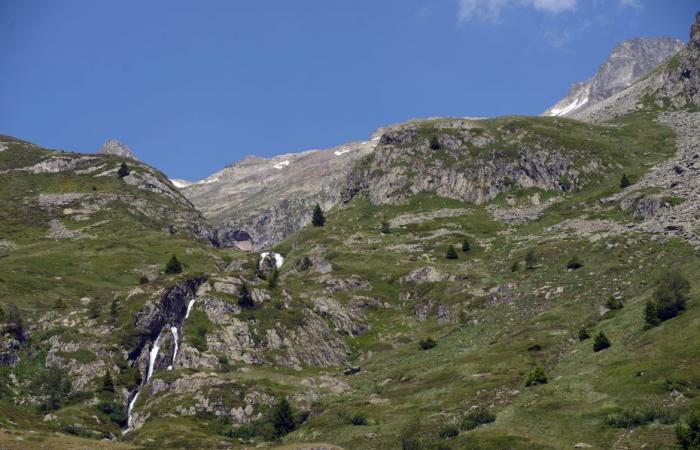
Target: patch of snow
{"type": "Point", "coordinates": [279, 259]}
{"type": "Point", "coordinates": [180, 183]}
{"type": "Point", "coordinates": [281, 165]}
{"type": "Point", "coordinates": [341, 152]}
{"type": "Point", "coordinates": [576, 104]}
{"type": "Point", "coordinates": [3, 146]}
{"type": "Point", "coordinates": [374, 139]}
{"type": "Point", "coordinates": [207, 180]}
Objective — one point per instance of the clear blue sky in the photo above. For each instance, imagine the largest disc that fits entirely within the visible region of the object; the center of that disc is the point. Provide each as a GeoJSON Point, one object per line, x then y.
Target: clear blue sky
{"type": "Point", "coordinates": [192, 86]}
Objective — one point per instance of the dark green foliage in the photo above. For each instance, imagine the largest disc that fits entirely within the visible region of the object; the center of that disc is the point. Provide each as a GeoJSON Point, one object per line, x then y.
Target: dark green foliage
{"type": "Point", "coordinates": [272, 277]}
{"type": "Point", "coordinates": [434, 143]}
{"type": "Point", "coordinates": [613, 303]}
{"type": "Point", "coordinates": [476, 417]}
{"type": "Point", "coordinates": [55, 386]}
{"type": "Point", "coordinates": [427, 343]}
{"type": "Point", "coordinates": [624, 181]}
{"type": "Point", "coordinates": [671, 295]}
{"type": "Point", "coordinates": [107, 382]}
{"type": "Point", "coordinates": [143, 279]}
{"type": "Point", "coordinates": [574, 263]}
{"type": "Point", "coordinates": [537, 376]}
{"type": "Point", "coordinates": [15, 323]}
{"type": "Point", "coordinates": [688, 435]}
{"type": "Point", "coordinates": [173, 266]}
{"type": "Point", "coordinates": [123, 170]}
{"type": "Point", "coordinates": [466, 246]}
{"type": "Point", "coordinates": [303, 264]}
{"type": "Point", "coordinates": [318, 219]}
{"type": "Point", "coordinates": [636, 417]}
{"type": "Point", "coordinates": [245, 297]}
{"type": "Point", "coordinates": [2, 314]}
{"type": "Point", "coordinates": [530, 260]}
{"type": "Point", "coordinates": [451, 253]}
{"type": "Point", "coordinates": [515, 267]}
{"type": "Point", "coordinates": [583, 334]}
{"type": "Point", "coordinates": [448, 431]}
{"type": "Point", "coordinates": [283, 420]}
{"type": "Point", "coordinates": [601, 342]}
{"type": "Point", "coordinates": [358, 419]}
{"type": "Point", "coordinates": [117, 413]}
{"type": "Point", "coordinates": [651, 317]}
{"type": "Point", "coordinates": [59, 304]}
{"type": "Point", "coordinates": [385, 228]}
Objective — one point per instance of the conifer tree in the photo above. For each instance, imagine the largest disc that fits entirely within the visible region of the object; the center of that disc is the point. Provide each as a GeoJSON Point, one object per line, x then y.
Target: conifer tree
{"type": "Point", "coordinates": [107, 382]}
{"type": "Point", "coordinates": [601, 342]}
{"type": "Point", "coordinates": [530, 260]}
{"type": "Point", "coordinates": [624, 181]}
{"type": "Point", "coordinates": [465, 245]}
{"type": "Point", "coordinates": [318, 219]}
{"type": "Point", "coordinates": [245, 297]}
{"type": "Point", "coordinates": [173, 266]}
{"type": "Point", "coordinates": [451, 253]}
{"type": "Point", "coordinates": [123, 170]}
{"type": "Point", "coordinates": [650, 316]}
{"type": "Point", "coordinates": [283, 419]}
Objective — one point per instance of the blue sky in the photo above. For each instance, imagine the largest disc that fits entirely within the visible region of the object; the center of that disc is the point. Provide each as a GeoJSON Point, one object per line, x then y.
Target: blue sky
{"type": "Point", "coordinates": [192, 86]}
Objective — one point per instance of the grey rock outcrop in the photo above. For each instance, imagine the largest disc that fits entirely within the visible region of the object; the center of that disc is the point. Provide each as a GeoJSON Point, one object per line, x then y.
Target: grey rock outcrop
{"type": "Point", "coordinates": [628, 62]}
{"type": "Point", "coordinates": [116, 148]}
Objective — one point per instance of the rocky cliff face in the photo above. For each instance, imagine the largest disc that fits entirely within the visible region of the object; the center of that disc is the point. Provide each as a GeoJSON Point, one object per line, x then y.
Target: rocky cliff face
{"type": "Point", "coordinates": [116, 148]}
{"type": "Point", "coordinates": [628, 62]}
{"type": "Point", "coordinates": [272, 198]}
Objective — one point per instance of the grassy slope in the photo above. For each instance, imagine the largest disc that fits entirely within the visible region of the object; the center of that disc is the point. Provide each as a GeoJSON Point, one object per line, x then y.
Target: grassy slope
{"type": "Point", "coordinates": [484, 355]}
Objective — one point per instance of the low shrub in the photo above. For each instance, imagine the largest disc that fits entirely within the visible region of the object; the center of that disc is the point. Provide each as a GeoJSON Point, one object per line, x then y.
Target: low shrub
{"type": "Point", "coordinates": [427, 343]}
{"type": "Point", "coordinates": [476, 417]}
{"type": "Point", "coordinates": [448, 431]}
{"type": "Point", "coordinates": [537, 376]}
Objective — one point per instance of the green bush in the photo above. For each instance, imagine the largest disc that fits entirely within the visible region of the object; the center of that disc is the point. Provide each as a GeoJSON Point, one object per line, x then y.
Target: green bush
{"type": "Point", "coordinates": [358, 419]}
{"type": "Point", "coordinates": [636, 417]}
{"type": "Point", "coordinates": [574, 263]}
{"type": "Point", "coordinates": [434, 143]}
{"type": "Point", "coordinates": [245, 297]}
{"type": "Point", "coordinates": [671, 295]}
{"type": "Point", "coordinates": [613, 303]}
{"type": "Point", "coordinates": [59, 304]}
{"type": "Point", "coordinates": [173, 265]}
{"type": "Point", "coordinates": [466, 246]}
{"type": "Point", "coordinates": [537, 376]}
{"type": "Point", "coordinates": [107, 382]}
{"type": "Point", "coordinates": [515, 267]}
{"type": "Point", "coordinates": [427, 343]}
{"type": "Point", "coordinates": [451, 253]}
{"type": "Point", "coordinates": [583, 334]}
{"type": "Point", "coordinates": [601, 342]}
{"type": "Point", "coordinates": [651, 317]}
{"type": "Point", "coordinates": [385, 228]}
{"type": "Point", "coordinates": [283, 418]}
{"type": "Point", "coordinates": [476, 417]}
{"type": "Point", "coordinates": [448, 431]}
{"type": "Point", "coordinates": [688, 435]}
{"type": "Point", "coordinates": [624, 181]}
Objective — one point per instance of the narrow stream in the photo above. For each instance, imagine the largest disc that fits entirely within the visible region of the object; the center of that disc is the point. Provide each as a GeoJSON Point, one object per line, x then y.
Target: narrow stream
{"type": "Point", "coordinates": [173, 330]}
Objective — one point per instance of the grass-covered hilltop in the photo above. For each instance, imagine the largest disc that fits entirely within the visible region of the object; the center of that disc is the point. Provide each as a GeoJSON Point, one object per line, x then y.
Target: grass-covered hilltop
{"type": "Point", "coordinates": [506, 283]}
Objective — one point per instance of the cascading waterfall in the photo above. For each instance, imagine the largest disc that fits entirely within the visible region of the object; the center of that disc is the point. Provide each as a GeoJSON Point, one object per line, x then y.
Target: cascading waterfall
{"type": "Point", "coordinates": [153, 354]}
{"type": "Point", "coordinates": [173, 330]}
{"type": "Point", "coordinates": [189, 308]}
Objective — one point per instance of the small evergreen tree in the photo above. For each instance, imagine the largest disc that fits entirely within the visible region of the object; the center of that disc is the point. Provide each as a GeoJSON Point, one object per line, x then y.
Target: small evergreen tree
{"type": "Point", "coordinates": [451, 253]}
{"type": "Point", "coordinates": [465, 245]}
{"type": "Point", "coordinates": [173, 266]}
{"type": "Point", "coordinates": [318, 219]}
{"type": "Point", "coordinates": [671, 295]}
{"type": "Point", "coordinates": [601, 342]}
{"type": "Point", "coordinates": [651, 317]}
{"type": "Point", "coordinates": [530, 260]}
{"type": "Point", "coordinates": [624, 181]}
{"type": "Point", "coordinates": [515, 267]}
{"type": "Point", "coordinates": [245, 297]}
{"type": "Point", "coordinates": [583, 334]}
{"type": "Point", "coordinates": [434, 143]}
{"type": "Point", "coordinates": [537, 376]}
{"type": "Point", "coordinates": [272, 277]}
{"type": "Point", "coordinates": [123, 170]}
{"type": "Point", "coordinates": [385, 228]}
{"type": "Point", "coordinates": [688, 436]}
{"type": "Point", "coordinates": [107, 382]}
{"type": "Point", "coordinates": [283, 419]}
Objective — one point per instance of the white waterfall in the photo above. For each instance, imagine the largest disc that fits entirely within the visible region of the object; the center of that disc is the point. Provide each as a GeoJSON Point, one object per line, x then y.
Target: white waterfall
{"type": "Point", "coordinates": [151, 363]}
{"type": "Point", "coordinates": [189, 308]}
{"type": "Point", "coordinates": [173, 330]}
{"type": "Point", "coordinates": [130, 419]}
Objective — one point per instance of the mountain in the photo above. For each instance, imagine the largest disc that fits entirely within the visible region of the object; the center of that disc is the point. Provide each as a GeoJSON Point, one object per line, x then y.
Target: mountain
{"type": "Point", "coordinates": [628, 62]}
{"type": "Point", "coordinates": [116, 148]}
{"type": "Point", "coordinates": [507, 283]}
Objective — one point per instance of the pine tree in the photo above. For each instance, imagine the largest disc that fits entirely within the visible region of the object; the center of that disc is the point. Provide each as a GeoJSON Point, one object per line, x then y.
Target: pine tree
{"type": "Point", "coordinates": [465, 245]}
{"type": "Point", "coordinates": [245, 297]}
{"type": "Point", "coordinates": [107, 382]}
{"type": "Point", "coordinates": [173, 266]}
{"type": "Point", "coordinates": [434, 143]}
{"type": "Point", "coordinates": [283, 419]}
{"type": "Point", "coordinates": [530, 260]}
{"type": "Point", "coordinates": [650, 316]}
{"type": "Point", "coordinates": [451, 253]}
{"type": "Point", "coordinates": [671, 295]}
{"type": "Point", "coordinates": [537, 376]}
{"type": "Point", "coordinates": [385, 228]}
{"type": "Point", "coordinates": [318, 220]}
{"type": "Point", "coordinates": [515, 267]}
{"type": "Point", "coordinates": [624, 181]}
{"type": "Point", "coordinates": [601, 342]}
{"type": "Point", "coordinates": [123, 170]}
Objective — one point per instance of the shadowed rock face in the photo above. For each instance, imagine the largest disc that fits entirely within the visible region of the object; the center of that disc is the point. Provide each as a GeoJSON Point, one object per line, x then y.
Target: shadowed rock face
{"type": "Point", "coordinates": [627, 63]}
{"type": "Point", "coordinates": [114, 147]}
{"type": "Point", "coordinates": [272, 198]}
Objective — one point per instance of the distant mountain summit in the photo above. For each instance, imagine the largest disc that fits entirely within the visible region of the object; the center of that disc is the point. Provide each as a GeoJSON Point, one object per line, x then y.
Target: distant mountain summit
{"type": "Point", "coordinates": [628, 62]}
{"type": "Point", "coordinates": [114, 147]}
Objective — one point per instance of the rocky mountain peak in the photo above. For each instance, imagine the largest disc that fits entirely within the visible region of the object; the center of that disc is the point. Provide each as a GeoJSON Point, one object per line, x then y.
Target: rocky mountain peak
{"type": "Point", "coordinates": [694, 41]}
{"type": "Point", "coordinates": [114, 147]}
{"type": "Point", "coordinates": [628, 62]}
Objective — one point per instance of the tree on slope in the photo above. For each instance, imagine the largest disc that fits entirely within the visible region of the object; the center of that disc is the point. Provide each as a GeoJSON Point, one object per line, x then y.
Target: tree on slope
{"type": "Point", "coordinates": [318, 219]}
